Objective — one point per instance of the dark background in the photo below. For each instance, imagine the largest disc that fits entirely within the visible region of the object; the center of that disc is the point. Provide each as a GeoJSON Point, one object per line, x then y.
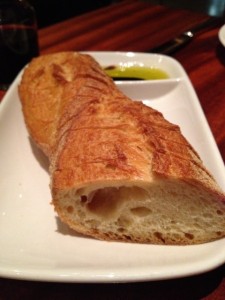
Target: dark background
{"type": "Point", "coordinates": [52, 11]}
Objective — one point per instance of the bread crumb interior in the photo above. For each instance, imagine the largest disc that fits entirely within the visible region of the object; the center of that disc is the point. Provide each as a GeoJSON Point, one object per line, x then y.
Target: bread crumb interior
{"type": "Point", "coordinates": [163, 213]}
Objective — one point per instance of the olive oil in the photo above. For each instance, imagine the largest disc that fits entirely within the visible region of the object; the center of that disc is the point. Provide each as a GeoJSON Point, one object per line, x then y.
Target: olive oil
{"type": "Point", "coordinates": [135, 73]}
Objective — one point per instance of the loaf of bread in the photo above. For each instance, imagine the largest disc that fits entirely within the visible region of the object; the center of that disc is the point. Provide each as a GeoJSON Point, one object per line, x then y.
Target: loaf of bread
{"type": "Point", "coordinates": [119, 170]}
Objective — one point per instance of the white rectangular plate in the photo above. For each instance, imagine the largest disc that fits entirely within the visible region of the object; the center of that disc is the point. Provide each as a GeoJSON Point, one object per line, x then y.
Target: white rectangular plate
{"type": "Point", "coordinates": [35, 245]}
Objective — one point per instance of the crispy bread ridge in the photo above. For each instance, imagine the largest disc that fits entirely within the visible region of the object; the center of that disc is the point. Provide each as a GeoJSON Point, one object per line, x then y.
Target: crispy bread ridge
{"type": "Point", "coordinates": [120, 171]}
{"type": "Point", "coordinates": [41, 92]}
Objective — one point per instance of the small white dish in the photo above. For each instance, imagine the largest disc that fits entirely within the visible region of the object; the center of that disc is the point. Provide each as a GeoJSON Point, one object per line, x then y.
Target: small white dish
{"type": "Point", "coordinates": [222, 35]}
{"type": "Point", "coordinates": [35, 245]}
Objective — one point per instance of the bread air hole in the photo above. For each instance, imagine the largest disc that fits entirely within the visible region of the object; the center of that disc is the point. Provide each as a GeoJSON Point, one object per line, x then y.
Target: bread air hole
{"type": "Point", "coordinates": [219, 212]}
{"type": "Point", "coordinates": [108, 201]}
{"type": "Point", "coordinates": [189, 236]}
{"type": "Point", "coordinates": [159, 236]}
{"type": "Point", "coordinates": [140, 211]}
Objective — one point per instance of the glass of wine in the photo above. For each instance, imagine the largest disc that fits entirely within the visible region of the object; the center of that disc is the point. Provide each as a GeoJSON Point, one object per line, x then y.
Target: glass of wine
{"type": "Point", "coordinates": [18, 38]}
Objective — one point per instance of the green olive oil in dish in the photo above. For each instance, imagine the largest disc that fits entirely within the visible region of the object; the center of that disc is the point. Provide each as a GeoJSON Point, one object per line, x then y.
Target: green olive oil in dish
{"type": "Point", "coordinates": [135, 73]}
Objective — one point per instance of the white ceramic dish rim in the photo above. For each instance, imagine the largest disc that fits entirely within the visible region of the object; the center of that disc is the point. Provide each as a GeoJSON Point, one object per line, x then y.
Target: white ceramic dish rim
{"type": "Point", "coordinates": [123, 267]}
{"type": "Point", "coordinates": [221, 35]}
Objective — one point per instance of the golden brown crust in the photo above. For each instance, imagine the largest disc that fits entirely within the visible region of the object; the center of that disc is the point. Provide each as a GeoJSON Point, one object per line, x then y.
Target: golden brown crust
{"type": "Point", "coordinates": [114, 138]}
{"type": "Point", "coordinates": [45, 90]}
{"type": "Point", "coordinates": [97, 138]}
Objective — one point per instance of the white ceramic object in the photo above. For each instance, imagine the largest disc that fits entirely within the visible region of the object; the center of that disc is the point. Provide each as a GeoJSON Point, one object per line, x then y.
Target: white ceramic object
{"type": "Point", "coordinates": [35, 245]}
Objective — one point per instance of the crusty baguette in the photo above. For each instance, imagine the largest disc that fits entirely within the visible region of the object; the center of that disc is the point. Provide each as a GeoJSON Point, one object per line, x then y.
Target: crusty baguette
{"type": "Point", "coordinates": [120, 171]}
{"type": "Point", "coordinates": [44, 82]}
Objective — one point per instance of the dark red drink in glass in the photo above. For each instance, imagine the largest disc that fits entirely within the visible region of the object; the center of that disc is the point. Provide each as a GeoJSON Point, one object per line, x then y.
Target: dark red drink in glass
{"type": "Point", "coordinates": [18, 38]}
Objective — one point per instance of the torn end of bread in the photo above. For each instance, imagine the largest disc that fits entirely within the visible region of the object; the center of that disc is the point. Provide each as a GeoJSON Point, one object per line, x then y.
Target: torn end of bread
{"type": "Point", "coordinates": [163, 212]}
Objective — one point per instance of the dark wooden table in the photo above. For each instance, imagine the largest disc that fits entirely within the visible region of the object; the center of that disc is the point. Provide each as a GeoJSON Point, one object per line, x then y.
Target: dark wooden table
{"type": "Point", "coordinates": [137, 26]}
